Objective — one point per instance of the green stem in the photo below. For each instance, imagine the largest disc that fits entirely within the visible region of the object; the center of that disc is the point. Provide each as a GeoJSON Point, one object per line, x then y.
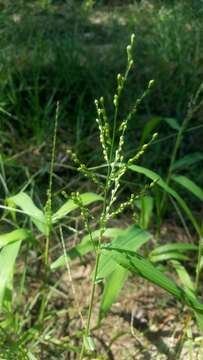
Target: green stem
{"type": "Point", "coordinates": [93, 292]}
{"type": "Point", "coordinates": [182, 339]}
{"type": "Point", "coordinates": [48, 214]}
{"type": "Point", "coordinates": [198, 267]}
{"type": "Point", "coordinates": [87, 330]}
{"type": "Point", "coordinates": [103, 219]}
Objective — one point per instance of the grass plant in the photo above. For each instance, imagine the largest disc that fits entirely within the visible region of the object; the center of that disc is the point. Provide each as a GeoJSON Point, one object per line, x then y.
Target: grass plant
{"type": "Point", "coordinates": [30, 229]}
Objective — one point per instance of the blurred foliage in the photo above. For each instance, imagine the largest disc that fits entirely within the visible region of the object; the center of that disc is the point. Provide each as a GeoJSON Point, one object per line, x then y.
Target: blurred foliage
{"type": "Point", "coordinates": [70, 51]}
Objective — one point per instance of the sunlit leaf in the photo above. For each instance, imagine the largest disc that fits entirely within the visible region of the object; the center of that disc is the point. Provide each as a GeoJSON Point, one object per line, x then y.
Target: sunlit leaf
{"type": "Point", "coordinates": [85, 246]}
{"type": "Point", "coordinates": [160, 182]}
{"type": "Point", "coordinates": [13, 236]}
{"type": "Point", "coordinates": [8, 257]}
{"type": "Point", "coordinates": [70, 205]}
{"type": "Point", "coordinates": [112, 288]}
{"type": "Point", "coordinates": [183, 275]}
{"type": "Point", "coordinates": [145, 204]}
{"type": "Point", "coordinates": [168, 256]}
{"type": "Point", "coordinates": [24, 202]}
{"type": "Point", "coordinates": [131, 238]}
{"type": "Point", "coordinates": [179, 247]}
{"type": "Point", "coordinates": [139, 265]}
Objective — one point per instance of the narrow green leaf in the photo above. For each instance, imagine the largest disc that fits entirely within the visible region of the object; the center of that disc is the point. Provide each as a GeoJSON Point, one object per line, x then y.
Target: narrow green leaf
{"type": "Point", "coordinates": [139, 265]}
{"type": "Point", "coordinates": [173, 123]}
{"type": "Point", "coordinates": [87, 198]}
{"type": "Point", "coordinates": [7, 261]}
{"type": "Point", "coordinates": [149, 127]}
{"type": "Point", "coordinates": [199, 318]}
{"type": "Point", "coordinates": [131, 238]}
{"type": "Point", "coordinates": [187, 160]}
{"type": "Point", "coordinates": [83, 247]}
{"type": "Point", "coordinates": [189, 185]}
{"type": "Point", "coordinates": [189, 286]}
{"type": "Point", "coordinates": [8, 257]}
{"type": "Point", "coordinates": [15, 235]}
{"type": "Point", "coordinates": [112, 288]}
{"type": "Point", "coordinates": [109, 233]}
{"type": "Point", "coordinates": [77, 251]}
{"type": "Point", "coordinates": [179, 247]}
{"type": "Point", "coordinates": [160, 182]}
{"type": "Point", "coordinates": [183, 275]}
{"type": "Point", "coordinates": [146, 206]}
{"type": "Point", "coordinates": [24, 201]}
{"type": "Point", "coordinates": [168, 256]}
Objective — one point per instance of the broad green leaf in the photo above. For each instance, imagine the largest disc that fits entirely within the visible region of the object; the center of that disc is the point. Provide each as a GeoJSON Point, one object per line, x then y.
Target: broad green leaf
{"type": "Point", "coordinates": [24, 201]}
{"type": "Point", "coordinates": [70, 205]}
{"type": "Point", "coordinates": [84, 247]}
{"type": "Point", "coordinates": [155, 177]}
{"type": "Point", "coordinates": [131, 238]}
{"type": "Point", "coordinates": [15, 235]}
{"type": "Point", "coordinates": [139, 265]}
{"type": "Point", "coordinates": [187, 160]}
{"type": "Point", "coordinates": [189, 185]}
{"type": "Point", "coordinates": [112, 288]}
{"type": "Point", "coordinates": [173, 123]}
{"type": "Point", "coordinates": [149, 127]}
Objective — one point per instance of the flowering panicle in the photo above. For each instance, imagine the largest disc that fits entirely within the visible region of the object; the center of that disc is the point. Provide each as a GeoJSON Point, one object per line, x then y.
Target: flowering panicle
{"type": "Point", "coordinates": [75, 196]}
{"type": "Point", "coordinates": [103, 126]}
{"type": "Point", "coordinates": [128, 203]}
{"type": "Point", "coordinates": [142, 150]}
{"type": "Point", "coordinates": [84, 169]}
{"type": "Point", "coordinates": [113, 153]}
{"type": "Point", "coordinates": [105, 121]}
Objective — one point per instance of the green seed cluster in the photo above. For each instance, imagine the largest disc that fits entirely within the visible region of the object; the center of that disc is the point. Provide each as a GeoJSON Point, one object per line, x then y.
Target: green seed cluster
{"type": "Point", "coordinates": [141, 152]}
{"type": "Point", "coordinates": [113, 152]}
{"type": "Point", "coordinates": [103, 126]}
{"type": "Point", "coordinates": [75, 196]}
{"type": "Point", "coordinates": [81, 167]}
